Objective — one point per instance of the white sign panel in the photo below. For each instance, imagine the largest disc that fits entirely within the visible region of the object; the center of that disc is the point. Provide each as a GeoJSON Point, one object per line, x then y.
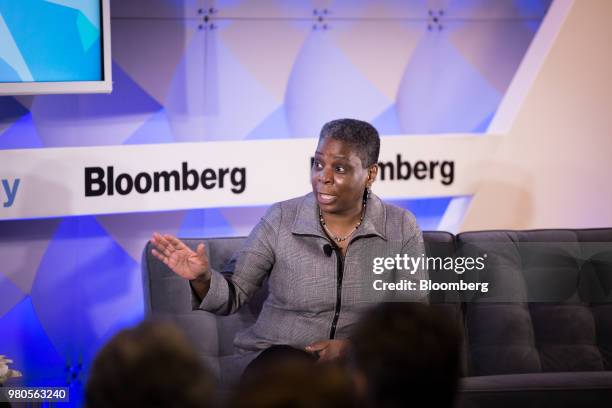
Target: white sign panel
{"type": "Point", "coordinates": [56, 182]}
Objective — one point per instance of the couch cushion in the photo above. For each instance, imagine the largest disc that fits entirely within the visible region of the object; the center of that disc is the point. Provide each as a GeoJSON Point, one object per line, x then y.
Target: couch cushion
{"type": "Point", "coordinates": [603, 323]}
{"type": "Point", "coordinates": [499, 331]}
{"type": "Point", "coordinates": [566, 337]}
{"type": "Point", "coordinates": [500, 339]}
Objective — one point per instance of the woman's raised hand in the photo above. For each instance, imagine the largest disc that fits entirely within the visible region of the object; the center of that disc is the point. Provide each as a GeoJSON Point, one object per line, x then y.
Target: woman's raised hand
{"type": "Point", "coordinates": [181, 259]}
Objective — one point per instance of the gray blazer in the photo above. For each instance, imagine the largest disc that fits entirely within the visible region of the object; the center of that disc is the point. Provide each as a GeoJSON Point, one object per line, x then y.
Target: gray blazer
{"type": "Point", "coordinates": [308, 300]}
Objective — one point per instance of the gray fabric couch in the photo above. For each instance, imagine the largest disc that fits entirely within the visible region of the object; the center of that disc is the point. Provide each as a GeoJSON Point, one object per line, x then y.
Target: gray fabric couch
{"type": "Point", "coordinates": [535, 351]}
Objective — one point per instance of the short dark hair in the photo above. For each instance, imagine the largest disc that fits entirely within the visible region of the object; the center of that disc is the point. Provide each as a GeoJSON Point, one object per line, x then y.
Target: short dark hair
{"type": "Point", "coordinates": [150, 365]}
{"type": "Point", "coordinates": [361, 135]}
{"type": "Point", "coordinates": [398, 347]}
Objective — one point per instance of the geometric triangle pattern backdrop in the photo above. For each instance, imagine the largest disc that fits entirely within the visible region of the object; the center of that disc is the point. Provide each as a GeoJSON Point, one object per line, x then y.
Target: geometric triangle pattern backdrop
{"type": "Point", "coordinates": [200, 70]}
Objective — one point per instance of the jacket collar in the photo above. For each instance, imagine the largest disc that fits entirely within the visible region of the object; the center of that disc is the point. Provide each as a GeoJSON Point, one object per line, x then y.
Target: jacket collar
{"type": "Point", "coordinates": [307, 219]}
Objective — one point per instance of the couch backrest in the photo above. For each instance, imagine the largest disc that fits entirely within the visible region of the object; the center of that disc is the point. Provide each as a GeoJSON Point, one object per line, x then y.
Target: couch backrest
{"type": "Point", "coordinates": [559, 327]}
{"type": "Point", "coordinates": [168, 296]}
{"type": "Point", "coordinates": [500, 337]}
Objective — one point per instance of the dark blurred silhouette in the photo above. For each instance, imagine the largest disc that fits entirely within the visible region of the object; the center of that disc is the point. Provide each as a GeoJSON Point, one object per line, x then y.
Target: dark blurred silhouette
{"type": "Point", "coordinates": [295, 382]}
{"type": "Point", "coordinates": [405, 354]}
{"type": "Point", "coordinates": [273, 355]}
{"type": "Point", "coordinates": [151, 365]}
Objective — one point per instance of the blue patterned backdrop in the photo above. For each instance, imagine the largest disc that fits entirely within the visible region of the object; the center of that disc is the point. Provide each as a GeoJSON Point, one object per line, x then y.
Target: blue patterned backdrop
{"type": "Point", "coordinates": [230, 70]}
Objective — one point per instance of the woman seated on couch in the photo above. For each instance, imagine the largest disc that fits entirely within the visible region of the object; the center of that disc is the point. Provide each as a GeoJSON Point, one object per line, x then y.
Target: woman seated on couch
{"type": "Point", "coordinates": [316, 250]}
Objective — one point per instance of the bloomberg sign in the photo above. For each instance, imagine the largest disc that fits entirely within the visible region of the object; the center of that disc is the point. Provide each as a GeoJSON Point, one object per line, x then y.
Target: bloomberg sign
{"type": "Point", "coordinates": [59, 182]}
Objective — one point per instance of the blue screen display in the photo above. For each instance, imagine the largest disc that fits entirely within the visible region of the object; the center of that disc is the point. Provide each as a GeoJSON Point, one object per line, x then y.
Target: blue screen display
{"type": "Point", "coordinates": [50, 41]}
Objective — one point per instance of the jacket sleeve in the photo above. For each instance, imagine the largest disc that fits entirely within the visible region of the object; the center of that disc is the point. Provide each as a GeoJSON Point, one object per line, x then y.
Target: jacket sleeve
{"type": "Point", "coordinates": [246, 271]}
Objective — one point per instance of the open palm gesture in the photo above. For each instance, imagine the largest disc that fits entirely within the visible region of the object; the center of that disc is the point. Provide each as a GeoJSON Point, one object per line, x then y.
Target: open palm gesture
{"type": "Point", "coordinates": [181, 259]}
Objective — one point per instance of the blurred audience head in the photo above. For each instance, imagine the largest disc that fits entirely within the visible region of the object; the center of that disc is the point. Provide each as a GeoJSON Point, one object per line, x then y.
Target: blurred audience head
{"type": "Point", "coordinates": [296, 383]}
{"type": "Point", "coordinates": [150, 365]}
{"type": "Point", "coordinates": [406, 354]}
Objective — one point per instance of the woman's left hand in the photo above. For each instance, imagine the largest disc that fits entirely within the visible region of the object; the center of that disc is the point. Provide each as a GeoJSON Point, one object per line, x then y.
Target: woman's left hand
{"type": "Point", "coordinates": [329, 349]}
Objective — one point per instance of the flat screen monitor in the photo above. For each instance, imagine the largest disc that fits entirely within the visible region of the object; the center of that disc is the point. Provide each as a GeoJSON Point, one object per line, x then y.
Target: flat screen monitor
{"type": "Point", "coordinates": [54, 46]}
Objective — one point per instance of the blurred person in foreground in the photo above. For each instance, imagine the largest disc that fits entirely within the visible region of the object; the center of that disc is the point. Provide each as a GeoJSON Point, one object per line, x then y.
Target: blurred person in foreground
{"type": "Point", "coordinates": [150, 365]}
{"type": "Point", "coordinates": [405, 354]}
{"type": "Point", "coordinates": [296, 383]}
{"type": "Point", "coordinates": [315, 250]}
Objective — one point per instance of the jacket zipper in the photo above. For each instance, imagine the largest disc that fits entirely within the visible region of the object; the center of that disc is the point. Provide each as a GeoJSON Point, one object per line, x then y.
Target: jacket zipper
{"type": "Point", "coordinates": [339, 275]}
